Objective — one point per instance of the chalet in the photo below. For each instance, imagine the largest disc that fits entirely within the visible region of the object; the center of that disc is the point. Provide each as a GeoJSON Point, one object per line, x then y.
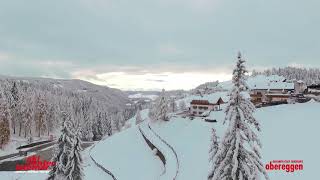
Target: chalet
{"type": "Point", "coordinates": [198, 107]}
{"type": "Point", "coordinates": [271, 92]}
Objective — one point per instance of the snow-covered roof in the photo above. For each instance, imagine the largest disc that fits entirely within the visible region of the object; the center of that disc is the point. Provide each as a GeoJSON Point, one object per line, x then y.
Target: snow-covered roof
{"type": "Point", "coordinates": [269, 82]}
{"type": "Point", "coordinates": [212, 98]}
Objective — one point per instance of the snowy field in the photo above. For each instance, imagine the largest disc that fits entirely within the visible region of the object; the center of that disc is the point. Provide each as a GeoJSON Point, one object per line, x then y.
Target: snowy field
{"type": "Point", "coordinates": [289, 132]}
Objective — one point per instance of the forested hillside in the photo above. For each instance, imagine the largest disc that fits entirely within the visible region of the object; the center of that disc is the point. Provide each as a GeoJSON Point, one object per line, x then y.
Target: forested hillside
{"type": "Point", "coordinates": [308, 75]}
{"type": "Point", "coordinates": [32, 107]}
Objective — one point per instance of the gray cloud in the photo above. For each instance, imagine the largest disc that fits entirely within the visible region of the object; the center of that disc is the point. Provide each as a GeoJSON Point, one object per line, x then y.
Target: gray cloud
{"type": "Point", "coordinates": [63, 38]}
{"type": "Point", "coordinates": [156, 80]}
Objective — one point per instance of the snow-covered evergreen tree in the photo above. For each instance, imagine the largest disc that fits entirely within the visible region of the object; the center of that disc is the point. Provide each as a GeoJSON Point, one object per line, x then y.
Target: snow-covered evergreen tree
{"type": "Point", "coordinates": [41, 111]}
{"type": "Point", "coordinates": [308, 75]}
{"type": "Point", "coordinates": [152, 110]}
{"type": "Point", "coordinates": [115, 123]}
{"type": "Point", "coordinates": [138, 117]}
{"type": "Point", "coordinates": [14, 102]}
{"type": "Point", "coordinates": [75, 166]}
{"type": "Point", "coordinates": [161, 108]}
{"type": "Point", "coordinates": [121, 120]}
{"type": "Point", "coordinates": [238, 157]}
{"type": "Point", "coordinates": [63, 151]}
{"type": "Point", "coordinates": [173, 105]}
{"type": "Point", "coordinates": [182, 105]}
{"type": "Point", "coordinates": [26, 115]}
{"type": "Point", "coordinates": [214, 146]}
{"type": "Point", "coordinates": [97, 128]}
{"type": "Point", "coordinates": [4, 122]}
{"type": "Point", "coordinates": [107, 128]}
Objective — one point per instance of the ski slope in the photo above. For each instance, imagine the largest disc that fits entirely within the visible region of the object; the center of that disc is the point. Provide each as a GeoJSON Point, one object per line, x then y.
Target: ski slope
{"type": "Point", "coordinates": [127, 156]}
{"type": "Point", "coordinates": [289, 132]}
{"type": "Point", "coordinates": [171, 168]}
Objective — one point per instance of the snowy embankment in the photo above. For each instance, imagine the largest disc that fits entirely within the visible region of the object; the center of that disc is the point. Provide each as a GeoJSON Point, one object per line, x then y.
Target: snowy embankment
{"type": "Point", "coordinates": [171, 158]}
{"type": "Point", "coordinates": [109, 173]}
{"type": "Point", "coordinates": [191, 140]}
{"type": "Point", "coordinates": [289, 132]}
{"type": "Point", "coordinates": [127, 156]}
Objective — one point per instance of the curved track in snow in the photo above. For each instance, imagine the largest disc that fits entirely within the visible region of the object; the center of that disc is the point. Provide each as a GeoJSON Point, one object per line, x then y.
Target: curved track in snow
{"type": "Point", "coordinates": [100, 166]}
{"type": "Point", "coordinates": [164, 149]}
{"type": "Point", "coordinates": [172, 149]}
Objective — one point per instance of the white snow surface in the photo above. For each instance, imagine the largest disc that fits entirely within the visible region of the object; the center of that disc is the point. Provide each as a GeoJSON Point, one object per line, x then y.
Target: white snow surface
{"type": "Point", "coordinates": [127, 156]}
{"type": "Point", "coordinates": [172, 164]}
{"type": "Point", "coordinates": [289, 132]}
{"type": "Point", "coordinates": [212, 98]}
{"type": "Point", "coordinates": [144, 115]}
{"type": "Point", "coordinates": [140, 95]}
{"type": "Point", "coordinates": [269, 82]}
{"type": "Point", "coordinates": [261, 82]}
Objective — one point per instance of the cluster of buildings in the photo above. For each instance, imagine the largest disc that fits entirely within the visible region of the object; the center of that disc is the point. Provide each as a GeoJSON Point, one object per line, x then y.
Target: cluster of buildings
{"type": "Point", "coordinates": [282, 92]}
{"type": "Point", "coordinates": [264, 91]}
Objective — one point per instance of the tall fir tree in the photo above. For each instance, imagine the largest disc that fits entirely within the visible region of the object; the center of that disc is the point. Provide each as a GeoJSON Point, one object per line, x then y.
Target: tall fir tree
{"type": "Point", "coordinates": [182, 105]}
{"type": "Point", "coordinates": [74, 166]}
{"type": "Point", "coordinates": [14, 105]}
{"type": "Point", "coordinates": [138, 117]}
{"type": "Point", "coordinates": [238, 157]}
{"type": "Point", "coordinates": [173, 105]}
{"type": "Point", "coordinates": [4, 122]}
{"type": "Point", "coordinates": [214, 146]}
{"type": "Point", "coordinates": [161, 108]}
{"type": "Point", "coordinates": [63, 151]}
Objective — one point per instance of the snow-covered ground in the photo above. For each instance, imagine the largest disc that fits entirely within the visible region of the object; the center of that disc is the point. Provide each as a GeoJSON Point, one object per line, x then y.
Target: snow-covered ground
{"type": "Point", "coordinates": [127, 156]}
{"type": "Point", "coordinates": [212, 98]}
{"type": "Point", "coordinates": [289, 132]}
{"type": "Point", "coordinates": [171, 168]}
{"type": "Point", "coordinates": [16, 141]}
{"type": "Point", "coordinates": [140, 95]}
{"type": "Point", "coordinates": [144, 115]}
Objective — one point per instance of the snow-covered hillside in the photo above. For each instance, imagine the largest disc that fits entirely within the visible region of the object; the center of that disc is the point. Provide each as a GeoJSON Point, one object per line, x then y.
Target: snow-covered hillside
{"type": "Point", "coordinates": [258, 81]}
{"type": "Point", "coordinates": [32, 107]}
{"type": "Point", "coordinates": [113, 97]}
{"type": "Point", "coordinates": [289, 132]}
{"type": "Point", "coordinates": [127, 156]}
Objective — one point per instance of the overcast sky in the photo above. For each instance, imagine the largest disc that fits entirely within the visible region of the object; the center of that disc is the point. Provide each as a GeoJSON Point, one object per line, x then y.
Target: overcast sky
{"type": "Point", "coordinates": [154, 44]}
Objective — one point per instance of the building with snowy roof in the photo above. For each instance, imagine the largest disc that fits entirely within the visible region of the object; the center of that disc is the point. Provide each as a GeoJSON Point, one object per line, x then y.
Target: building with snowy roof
{"type": "Point", "coordinates": [198, 107]}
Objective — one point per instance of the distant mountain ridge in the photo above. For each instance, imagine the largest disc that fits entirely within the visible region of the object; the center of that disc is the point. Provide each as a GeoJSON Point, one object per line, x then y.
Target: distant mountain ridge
{"type": "Point", "coordinates": [114, 97]}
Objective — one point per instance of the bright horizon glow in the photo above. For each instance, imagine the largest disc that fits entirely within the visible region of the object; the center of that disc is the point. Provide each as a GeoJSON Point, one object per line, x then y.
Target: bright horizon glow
{"type": "Point", "coordinates": [154, 81]}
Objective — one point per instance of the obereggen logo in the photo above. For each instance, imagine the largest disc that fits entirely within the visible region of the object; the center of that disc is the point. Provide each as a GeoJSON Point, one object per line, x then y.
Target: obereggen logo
{"type": "Point", "coordinates": [285, 165]}
{"type": "Point", "coordinates": [34, 163]}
